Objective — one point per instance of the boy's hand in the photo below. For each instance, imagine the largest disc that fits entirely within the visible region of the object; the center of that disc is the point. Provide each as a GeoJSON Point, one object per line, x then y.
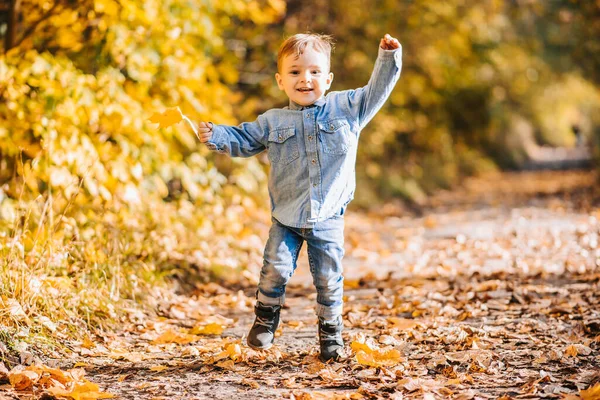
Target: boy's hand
{"type": "Point", "coordinates": [204, 131]}
{"type": "Point", "coordinates": [389, 43]}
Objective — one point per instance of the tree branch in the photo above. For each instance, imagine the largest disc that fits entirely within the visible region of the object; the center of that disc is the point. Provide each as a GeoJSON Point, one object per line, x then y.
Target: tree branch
{"type": "Point", "coordinates": [33, 27]}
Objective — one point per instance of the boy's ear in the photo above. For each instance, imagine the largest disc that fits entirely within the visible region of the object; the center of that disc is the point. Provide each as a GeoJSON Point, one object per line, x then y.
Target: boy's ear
{"type": "Point", "coordinates": [279, 80]}
{"type": "Point", "coordinates": [329, 79]}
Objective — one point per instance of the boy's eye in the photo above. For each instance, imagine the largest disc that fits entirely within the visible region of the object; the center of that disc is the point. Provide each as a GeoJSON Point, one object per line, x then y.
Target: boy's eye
{"type": "Point", "coordinates": [316, 72]}
{"type": "Point", "coordinates": [294, 72]}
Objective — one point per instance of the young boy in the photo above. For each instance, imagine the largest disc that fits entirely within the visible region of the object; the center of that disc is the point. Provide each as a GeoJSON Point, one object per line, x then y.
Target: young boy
{"type": "Point", "coordinates": [311, 145]}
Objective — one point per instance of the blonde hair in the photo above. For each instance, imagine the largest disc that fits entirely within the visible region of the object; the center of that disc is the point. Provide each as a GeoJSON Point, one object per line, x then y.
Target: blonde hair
{"type": "Point", "coordinates": [297, 44]}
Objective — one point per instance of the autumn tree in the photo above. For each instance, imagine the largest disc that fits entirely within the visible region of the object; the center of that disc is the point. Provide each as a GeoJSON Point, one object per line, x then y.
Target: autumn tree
{"type": "Point", "coordinates": [92, 194]}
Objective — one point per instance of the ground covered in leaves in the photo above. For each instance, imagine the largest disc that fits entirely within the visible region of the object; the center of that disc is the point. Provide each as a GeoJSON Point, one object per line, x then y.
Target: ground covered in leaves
{"type": "Point", "coordinates": [488, 291]}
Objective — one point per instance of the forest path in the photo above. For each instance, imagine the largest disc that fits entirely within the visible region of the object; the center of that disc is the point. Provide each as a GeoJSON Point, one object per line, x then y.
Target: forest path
{"type": "Point", "coordinates": [492, 292]}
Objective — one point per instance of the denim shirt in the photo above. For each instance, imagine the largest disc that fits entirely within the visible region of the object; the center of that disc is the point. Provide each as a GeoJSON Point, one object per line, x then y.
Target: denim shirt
{"type": "Point", "coordinates": [312, 149]}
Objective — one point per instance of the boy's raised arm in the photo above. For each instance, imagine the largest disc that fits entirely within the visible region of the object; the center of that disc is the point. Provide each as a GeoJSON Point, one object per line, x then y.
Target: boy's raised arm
{"type": "Point", "coordinates": [364, 102]}
{"type": "Point", "coordinates": [244, 140]}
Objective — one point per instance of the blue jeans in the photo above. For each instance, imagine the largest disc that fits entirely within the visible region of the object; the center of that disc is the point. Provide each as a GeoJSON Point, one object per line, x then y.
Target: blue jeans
{"type": "Point", "coordinates": [325, 243]}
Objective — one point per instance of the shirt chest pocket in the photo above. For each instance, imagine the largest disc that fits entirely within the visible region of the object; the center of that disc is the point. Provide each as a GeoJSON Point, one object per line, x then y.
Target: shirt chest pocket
{"type": "Point", "coordinates": [283, 145]}
{"type": "Point", "coordinates": [335, 136]}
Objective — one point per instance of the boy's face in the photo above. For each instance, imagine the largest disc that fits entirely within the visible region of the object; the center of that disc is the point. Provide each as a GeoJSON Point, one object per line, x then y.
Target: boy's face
{"type": "Point", "coordinates": [304, 78]}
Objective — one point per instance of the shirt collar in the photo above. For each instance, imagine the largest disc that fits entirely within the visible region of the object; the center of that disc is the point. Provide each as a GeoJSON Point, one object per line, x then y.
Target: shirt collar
{"type": "Point", "coordinates": [298, 107]}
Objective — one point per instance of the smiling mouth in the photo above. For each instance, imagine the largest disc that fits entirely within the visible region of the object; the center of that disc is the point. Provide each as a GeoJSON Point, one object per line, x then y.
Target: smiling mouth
{"type": "Point", "coordinates": [305, 90]}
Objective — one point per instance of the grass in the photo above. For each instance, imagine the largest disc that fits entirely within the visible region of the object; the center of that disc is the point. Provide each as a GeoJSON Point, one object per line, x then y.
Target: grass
{"type": "Point", "coordinates": [68, 269]}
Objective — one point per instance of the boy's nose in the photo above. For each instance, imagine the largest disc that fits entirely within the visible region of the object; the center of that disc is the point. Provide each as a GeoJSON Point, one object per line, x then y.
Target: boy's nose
{"type": "Point", "coordinates": [306, 77]}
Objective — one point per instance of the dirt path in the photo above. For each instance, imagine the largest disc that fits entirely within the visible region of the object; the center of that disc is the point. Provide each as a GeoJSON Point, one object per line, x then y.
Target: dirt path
{"type": "Point", "coordinates": [492, 292]}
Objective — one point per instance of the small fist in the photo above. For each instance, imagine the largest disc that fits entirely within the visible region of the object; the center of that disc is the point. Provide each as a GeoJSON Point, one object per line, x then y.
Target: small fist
{"type": "Point", "coordinates": [389, 43]}
{"type": "Point", "coordinates": [204, 131]}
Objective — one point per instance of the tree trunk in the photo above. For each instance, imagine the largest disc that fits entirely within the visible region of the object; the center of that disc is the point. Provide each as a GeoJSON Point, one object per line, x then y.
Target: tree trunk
{"type": "Point", "coordinates": [13, 20]}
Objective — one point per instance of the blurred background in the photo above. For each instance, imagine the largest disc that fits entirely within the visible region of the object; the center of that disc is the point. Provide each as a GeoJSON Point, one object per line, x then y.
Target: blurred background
{"type": "Point", "coordinates": [94, 195]}
{"type": "Point", "coordinates": [484, 85]}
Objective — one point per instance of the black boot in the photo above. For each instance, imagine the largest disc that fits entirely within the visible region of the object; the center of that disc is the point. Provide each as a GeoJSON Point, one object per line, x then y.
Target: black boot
{"type": "Point", "coordinates": [330, 339]}
{"type": "Point", "coordinates": [263, 331]}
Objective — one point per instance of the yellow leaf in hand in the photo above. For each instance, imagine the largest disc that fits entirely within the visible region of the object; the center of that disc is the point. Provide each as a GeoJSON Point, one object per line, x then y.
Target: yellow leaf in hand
{"type": "Point", "coordinates": [170, 117]}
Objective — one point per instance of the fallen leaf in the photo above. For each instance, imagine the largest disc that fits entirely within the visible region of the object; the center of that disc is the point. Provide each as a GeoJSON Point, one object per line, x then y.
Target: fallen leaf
{"type": "Point", "coordinates": [328, 375]}
{"type": "Point", "coordinates": [571, 351]}
{"type": "Point", "coordinates": [413, 384]}
{"type": "Point", "coordinates": [592, 393]}
{"type": "Point", "coordinates": [301, 396]}
{"type": "Point", "coordinates": [227, 364]}
{"type": "Point", "coordinates": [290, 383]}
{"type": "Point", "coordinates": [357, 346]}
{"type": "Point", "coordinates": [379, 358]}
{"type": "Point", "coordinates": [232, 351]}
{"type": "Point", "coordinates": [85, 390]}
{"type": "Point", "coordinates": [172, 336]}
{"type": "Point", "coordinates": [70, 384]}
{"type": "Point", "coordinates": [210, 329]}
{"type": "Point", "coordinates": [295, 324]}
{"type": "Point", "coordinates": [458, 356]}
{"type": "Point", "coordinates": [158, 368]}
{"type": "Point", "coordinates": [23, 379]}
{"type": "Point", "coordinates": [59, 375]}
{"type": "Point", "coordinates": [134, 357]}
{"type": "Point", "coordinates": [190, 352]}
{"type": "Point", "coordinates": [15, 309]}
{"type": "Point", "coordinates": [88, 343]}
{"type": "Point", "coordinates": [402, 323]}
{"type": "Point", "coordinates": [249, 382]}
{"type": "Point", "coordinates": [583, 349]}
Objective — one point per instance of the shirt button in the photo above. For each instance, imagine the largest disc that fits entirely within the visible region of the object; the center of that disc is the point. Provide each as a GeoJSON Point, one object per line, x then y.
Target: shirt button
{"type": "Point", "coordinates": [313, 161]}
{"type": "Point", "coordinates": [331, 127]}
{"type": "Point", "coordinates": [280, 137]}
{"type": "Point", "coordinates": [314, 185]}
{"type": "Point", "coordinates": [310, 138]}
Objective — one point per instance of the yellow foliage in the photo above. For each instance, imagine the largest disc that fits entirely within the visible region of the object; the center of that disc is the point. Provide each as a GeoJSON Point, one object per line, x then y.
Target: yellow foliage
{"type": "Point", "coordinates": [77, 146]}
